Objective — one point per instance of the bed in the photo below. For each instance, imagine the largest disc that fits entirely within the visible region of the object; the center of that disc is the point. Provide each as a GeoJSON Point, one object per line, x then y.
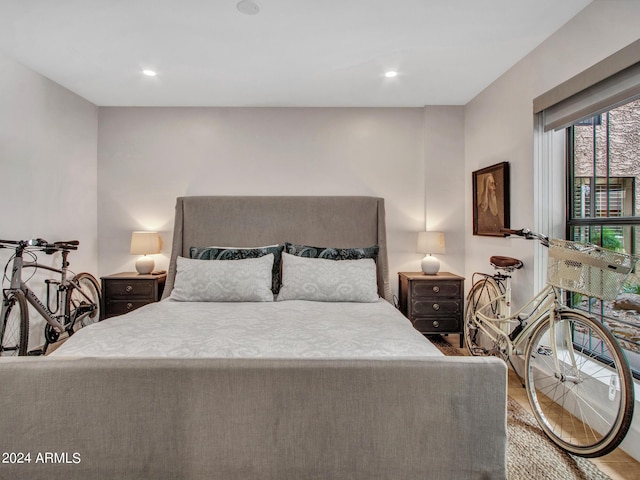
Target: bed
{"type": "Point", "coordinates": [293, 389]}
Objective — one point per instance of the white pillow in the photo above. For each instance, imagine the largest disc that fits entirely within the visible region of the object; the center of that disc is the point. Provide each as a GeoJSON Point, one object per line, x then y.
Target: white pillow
{"type": "Point", "coordinates": [247, 280]}
{"type": "Point", "coordinates": [325, 280]}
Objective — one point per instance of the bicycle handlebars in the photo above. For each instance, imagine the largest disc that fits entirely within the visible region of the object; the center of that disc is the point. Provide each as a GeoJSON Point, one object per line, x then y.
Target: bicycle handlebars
{"type": "Point", "coordinates": [527, 234]}
{"type": "Point", "coordinates": [48, 248]}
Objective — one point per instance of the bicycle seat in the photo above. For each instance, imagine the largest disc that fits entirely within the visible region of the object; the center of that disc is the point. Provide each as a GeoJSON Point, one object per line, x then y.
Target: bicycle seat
{"type": "Point", "coordinates": [506, 263]}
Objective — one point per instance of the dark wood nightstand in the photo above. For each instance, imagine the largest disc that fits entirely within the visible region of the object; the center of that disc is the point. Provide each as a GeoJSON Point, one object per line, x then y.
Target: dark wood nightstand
{"type": "Point", "coordinates": [433, 303]}
{"type": "Point", "coordinates": [126, 291]}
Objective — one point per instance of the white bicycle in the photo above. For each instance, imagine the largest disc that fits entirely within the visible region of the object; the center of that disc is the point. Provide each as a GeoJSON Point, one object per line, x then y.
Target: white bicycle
{"type": "Point", "coordinates": [578, 380]}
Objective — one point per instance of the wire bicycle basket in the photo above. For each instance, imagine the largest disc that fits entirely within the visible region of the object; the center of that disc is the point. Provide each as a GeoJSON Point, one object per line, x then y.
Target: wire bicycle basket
{"type": "Point", "coordinates": [587, 269]}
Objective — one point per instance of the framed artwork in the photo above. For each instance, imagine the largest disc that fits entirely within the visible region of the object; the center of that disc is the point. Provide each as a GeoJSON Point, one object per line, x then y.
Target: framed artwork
{"type": "Point", "coordinates": [491, 200]}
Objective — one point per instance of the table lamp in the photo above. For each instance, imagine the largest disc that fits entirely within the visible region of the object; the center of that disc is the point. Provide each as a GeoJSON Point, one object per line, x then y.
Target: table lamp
{"type": "Point", "coordinates": [145, 244]}
{"type": "Point", "coordinates": [430, 243]}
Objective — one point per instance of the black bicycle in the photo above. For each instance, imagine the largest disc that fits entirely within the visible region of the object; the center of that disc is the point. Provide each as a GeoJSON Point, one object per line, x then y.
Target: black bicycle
{"type": "Point", "coordinates": [70, 304]}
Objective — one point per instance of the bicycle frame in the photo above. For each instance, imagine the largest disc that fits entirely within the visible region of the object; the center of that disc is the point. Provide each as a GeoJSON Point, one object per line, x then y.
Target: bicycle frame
{"type": "Point", "coordinates": [18, 284]}
{"type": "Point", "coordinates": [546, 302]}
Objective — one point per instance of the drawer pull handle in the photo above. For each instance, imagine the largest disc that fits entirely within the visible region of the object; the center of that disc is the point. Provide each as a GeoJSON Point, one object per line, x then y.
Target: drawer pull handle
{"type": "Point", "coordinates": [129, 306]}
{"type": "Point", "coordinates": [128, 289]}
{"type": "Point", "coordinates": [436, 288]}
{"type": "Point", "coordinates": [436, 323]}
{"type": "Point", "coordinates": [435, 306]}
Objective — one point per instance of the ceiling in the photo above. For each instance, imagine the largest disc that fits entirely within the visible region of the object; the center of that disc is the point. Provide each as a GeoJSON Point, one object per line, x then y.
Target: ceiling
{"type": "Point", "coordinates": [291, 53]}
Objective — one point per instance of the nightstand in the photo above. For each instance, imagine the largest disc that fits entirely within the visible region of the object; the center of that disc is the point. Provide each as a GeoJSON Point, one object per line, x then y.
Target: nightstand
{"type": "Point", "coordinates": [433, 303]}
{"type": "Point", "coordinates": [126, 291]}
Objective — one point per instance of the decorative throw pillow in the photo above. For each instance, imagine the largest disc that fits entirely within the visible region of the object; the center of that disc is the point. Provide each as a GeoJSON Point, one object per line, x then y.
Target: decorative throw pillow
{"type": "Point", "coordinates": [233, 253]}
{"type": "Point", "coordinates": [332, 253]}
{"type": "Point", "coordinates": [325, 280]}
{"type": "Point", "coordinates": [247, 280]}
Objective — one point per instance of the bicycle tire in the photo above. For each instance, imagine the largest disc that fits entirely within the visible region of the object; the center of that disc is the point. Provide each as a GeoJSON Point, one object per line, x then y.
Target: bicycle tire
{"type": "Point", "coordinates": [482, 293]}
{"type": "Point", "coordinates": [14, 331]}
{"type": "Point", "coordinates": [83, 297]}
{"type": "Point", "coordinates": [600, 385]}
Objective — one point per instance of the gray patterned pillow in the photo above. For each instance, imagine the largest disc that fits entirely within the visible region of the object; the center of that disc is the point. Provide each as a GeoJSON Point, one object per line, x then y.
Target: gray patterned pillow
{"type": "Point", "coordinates": [233, 253]}
{"type": "Point", "coordinates": [247, 280]}
{"type": "Point", "coordinates": [325, 280]}
{"type": "Point", "coordinates": [332, 253]}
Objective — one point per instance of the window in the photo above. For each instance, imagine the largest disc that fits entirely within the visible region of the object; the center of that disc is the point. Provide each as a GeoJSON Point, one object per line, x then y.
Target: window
{"type": "Point", "coordinates": [613, 197]}
{"type": "Point", "coordinates": [603, 156]}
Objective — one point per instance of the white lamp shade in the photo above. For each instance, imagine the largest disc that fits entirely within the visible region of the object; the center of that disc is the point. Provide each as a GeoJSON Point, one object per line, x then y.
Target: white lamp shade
{"type": "Point", "coordinates": [431, 242]}
{"type": "Point", "coordinates": [145, 243]}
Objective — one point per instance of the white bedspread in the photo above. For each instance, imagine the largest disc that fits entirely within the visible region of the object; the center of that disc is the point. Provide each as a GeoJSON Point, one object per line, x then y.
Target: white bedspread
{"type": "Point", "coordinates": [291, 329]}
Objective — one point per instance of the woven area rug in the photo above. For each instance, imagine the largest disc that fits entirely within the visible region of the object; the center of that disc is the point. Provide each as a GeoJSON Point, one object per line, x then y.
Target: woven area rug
{"type": "Point", "coordinates": [530, 454]}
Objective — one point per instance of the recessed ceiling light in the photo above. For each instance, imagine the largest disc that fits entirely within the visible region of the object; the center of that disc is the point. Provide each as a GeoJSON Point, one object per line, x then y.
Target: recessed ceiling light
{"type": "Point", "coordinates": [149, 73]}
{"type": "Point", "coordinates": [248, 7]}
{"type": "Point", "coordinates": [391, 74]}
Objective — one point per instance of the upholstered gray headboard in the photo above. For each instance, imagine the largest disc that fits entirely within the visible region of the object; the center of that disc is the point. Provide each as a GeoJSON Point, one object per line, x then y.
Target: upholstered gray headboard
{"type": "Point", "coordinates": [232, 221]}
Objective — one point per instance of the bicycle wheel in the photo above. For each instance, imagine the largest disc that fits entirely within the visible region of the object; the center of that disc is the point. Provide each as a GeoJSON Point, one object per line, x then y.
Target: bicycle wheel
{"type": "Point", "coordinates": [83, 301]}
{"type": "Point", "coordinates": [482, 294]}
{"type": "Point", "coordinates": [587, 405]}
{"type": "Point", "coordinates": [14, 330]}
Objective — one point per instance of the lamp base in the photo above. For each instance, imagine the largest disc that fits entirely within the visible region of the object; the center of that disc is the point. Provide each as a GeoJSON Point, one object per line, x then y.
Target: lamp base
{"type": "Point", "coordinates": [145, 264]}
{"type": "Point", "coordinates": [430, 265]}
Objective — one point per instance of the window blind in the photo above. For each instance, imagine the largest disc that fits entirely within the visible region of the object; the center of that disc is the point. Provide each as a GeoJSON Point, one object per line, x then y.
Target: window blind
{"type": "Point", "coordinates": [606, 85]}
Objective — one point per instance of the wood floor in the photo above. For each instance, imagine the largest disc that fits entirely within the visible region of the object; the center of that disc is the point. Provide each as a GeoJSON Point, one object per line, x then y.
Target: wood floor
{"type": "Point", "coordinates": [618, 465]}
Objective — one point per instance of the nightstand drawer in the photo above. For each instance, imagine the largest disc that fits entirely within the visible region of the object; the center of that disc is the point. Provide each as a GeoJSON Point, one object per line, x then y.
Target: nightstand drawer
{"type": "Point", "coordinates": [442, 307]}
{"type": "Point", "coordinates": [437, 289]}
{"type": "Point", "coordinates": [118, 307]}
{"type": "Point", "coordinates": [126, 291]}
{"type": "Point", "coordinates": [130, 288]}
{"type": "Point", "coordinates": [436, 325]}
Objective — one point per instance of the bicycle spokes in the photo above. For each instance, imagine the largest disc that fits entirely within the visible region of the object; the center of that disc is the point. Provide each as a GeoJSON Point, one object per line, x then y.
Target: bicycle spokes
{"type": "Point", "coordinates": [14, 325]}
{"type": "Point", "coordinates": [83, 302]}
{"type": "Point", "coordinates": [583, 403]}
{"type": "Point", "coordinates": [482, 320]}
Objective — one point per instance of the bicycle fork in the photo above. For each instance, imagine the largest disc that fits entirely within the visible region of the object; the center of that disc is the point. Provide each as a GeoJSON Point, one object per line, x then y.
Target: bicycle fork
{"type": "Point", "coordinates": [554, 317]}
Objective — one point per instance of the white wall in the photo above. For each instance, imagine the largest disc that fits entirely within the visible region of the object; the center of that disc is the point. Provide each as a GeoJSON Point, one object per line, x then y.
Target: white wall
{"type": "Point", "coordinates": [499, 126]}
{"type": "Point", "coordinates": [444, 171]}
{"type": "Point", "coordinates": [150, 156]}
{"type": "Point", "coordinates": [48, 167]}
{"type": "Point", "coordinates": [499, 121]}
{"type": "Point", "coordinates": [58, 150]}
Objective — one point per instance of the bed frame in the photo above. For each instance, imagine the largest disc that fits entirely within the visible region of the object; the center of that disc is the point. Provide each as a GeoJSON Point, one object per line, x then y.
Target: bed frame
{"type": "Point", "coordinates": [402, 419]}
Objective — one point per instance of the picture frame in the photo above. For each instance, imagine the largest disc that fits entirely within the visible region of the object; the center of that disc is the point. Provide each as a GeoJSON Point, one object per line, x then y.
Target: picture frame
{"type": "Point", "coordinates": [491, 200]}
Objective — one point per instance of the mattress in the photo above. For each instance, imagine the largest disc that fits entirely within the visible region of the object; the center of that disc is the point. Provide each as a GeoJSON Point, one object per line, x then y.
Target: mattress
{"type": "Point", "coordinates": [291, 329]}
